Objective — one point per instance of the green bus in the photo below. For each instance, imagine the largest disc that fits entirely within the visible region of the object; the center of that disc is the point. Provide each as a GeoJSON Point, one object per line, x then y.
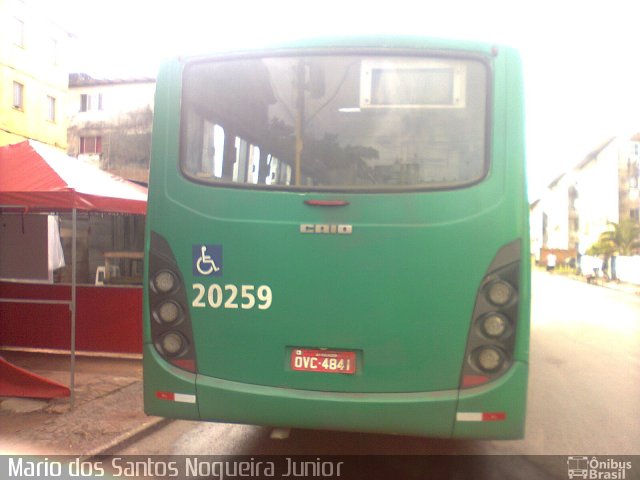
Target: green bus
{"type": "Point", "coordinates": [337, 238]}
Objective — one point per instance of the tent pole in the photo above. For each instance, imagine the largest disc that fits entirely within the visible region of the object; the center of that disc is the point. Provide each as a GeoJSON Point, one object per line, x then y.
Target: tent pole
{"type": "Point", "coordinates": [74, 233]}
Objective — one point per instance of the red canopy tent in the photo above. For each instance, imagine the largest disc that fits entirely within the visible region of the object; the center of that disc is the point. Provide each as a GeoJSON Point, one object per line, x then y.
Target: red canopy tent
{"type": "Point", "coordinates": [38, 178]}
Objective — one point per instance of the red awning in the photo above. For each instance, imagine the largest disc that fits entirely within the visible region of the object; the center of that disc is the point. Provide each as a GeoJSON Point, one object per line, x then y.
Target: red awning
{"type": "Point", "coordinates": [40, 177]}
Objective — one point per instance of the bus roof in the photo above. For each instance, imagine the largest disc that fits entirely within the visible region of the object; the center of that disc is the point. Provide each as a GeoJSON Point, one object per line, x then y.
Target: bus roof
{"type": "Point", "coordinates": [361, 42]}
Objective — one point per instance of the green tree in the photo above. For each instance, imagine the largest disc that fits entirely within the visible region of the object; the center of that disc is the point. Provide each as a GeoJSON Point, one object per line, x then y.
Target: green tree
{"type": "Point", "coordinates": [601, 247]}
{"type": "Point", "coordinates": [622, 238]}
{"type": "Point", "coordinates": [625, 236]}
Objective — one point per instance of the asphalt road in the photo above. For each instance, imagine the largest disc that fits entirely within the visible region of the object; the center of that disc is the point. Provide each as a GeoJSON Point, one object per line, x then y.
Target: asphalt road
{"type": "Point", "coordinates": [583, 393]}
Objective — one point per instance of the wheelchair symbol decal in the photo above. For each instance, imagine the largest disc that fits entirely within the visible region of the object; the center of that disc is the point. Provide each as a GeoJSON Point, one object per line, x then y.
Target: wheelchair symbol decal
{"type": "Point", "coordinates": [207, 260]}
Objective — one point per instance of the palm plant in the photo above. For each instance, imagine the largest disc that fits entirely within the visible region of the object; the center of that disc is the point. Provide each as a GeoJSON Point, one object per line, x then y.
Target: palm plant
{"type": "Point", "coordinates": [623, 238]}
{"type": "Point", "coordinates": [601, 247]}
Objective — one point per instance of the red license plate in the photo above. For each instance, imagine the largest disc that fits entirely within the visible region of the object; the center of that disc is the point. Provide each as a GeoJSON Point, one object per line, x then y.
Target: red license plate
{"type": "Point", "coordinates": [328, 361]}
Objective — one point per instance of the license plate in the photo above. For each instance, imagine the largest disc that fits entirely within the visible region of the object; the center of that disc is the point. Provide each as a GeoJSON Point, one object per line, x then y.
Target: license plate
{"type": "Point", "coordinates": [327, 361]}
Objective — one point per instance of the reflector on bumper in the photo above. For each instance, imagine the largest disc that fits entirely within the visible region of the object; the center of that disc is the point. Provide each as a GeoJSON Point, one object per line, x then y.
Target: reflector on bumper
{"type": "Point", "coordinates": [176, 397]}
{"type": "Point", "coordinates": [480, 416]}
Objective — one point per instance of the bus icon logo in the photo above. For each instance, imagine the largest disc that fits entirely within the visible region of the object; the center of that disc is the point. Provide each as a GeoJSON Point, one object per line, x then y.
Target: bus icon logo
{"type": "Point", "coordinates": [207, 260]}
{"type": "Point", "coordinates": [578, 467]}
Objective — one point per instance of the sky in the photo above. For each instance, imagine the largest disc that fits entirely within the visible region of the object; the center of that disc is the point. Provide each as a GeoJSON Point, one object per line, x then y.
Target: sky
{"type": "Point", "coordinates": [581, 58]}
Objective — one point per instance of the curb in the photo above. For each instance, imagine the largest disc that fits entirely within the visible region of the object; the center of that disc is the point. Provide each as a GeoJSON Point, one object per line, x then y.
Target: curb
{"type": "Point", "coordinates": [127, 437]}
{"type": "Point", "coordinates": [622, 287]}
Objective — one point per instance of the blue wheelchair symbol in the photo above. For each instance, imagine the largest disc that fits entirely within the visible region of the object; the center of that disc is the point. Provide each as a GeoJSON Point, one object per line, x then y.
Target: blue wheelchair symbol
{"type": "Point", "coordinates": [207, 260]}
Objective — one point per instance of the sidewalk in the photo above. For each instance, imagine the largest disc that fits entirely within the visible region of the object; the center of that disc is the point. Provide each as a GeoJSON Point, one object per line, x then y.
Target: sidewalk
{"type": "Point", "coordinates": [108, 407]}
{"type": "Point", "coordinates": [629, 288]}
{"type": "Point", "coordinates": [622, 287]}
{"type": "Point", "coordinates": [610, 284]}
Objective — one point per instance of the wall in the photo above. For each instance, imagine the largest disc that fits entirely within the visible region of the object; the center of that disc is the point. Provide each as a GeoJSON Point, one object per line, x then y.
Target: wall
{"type": "Point", "coordinates": [556, 206]}
{"type": "Point", "coordinates": [628, 269]}
{"type": "Point", "coordinates": [579, 205]}
{"type": "Point", "coordinates": [562, 256]}
{"type": "Point", "coordinates": [121, 115]}
{"type": "Point", "coordinates": [629, 173]}
{"type": "Point", "coordinates": [118, 97]}
{"type": "Point", "coordinates": [24, 253]}
{"type": "Point", "coordinates": [536, 232]}
{"type": "Point", "coordinates": [597, 185]}
{"type": "Point", "coordinates": [108, 319]}
{"type": "Point", "coordinates": [39, 64]}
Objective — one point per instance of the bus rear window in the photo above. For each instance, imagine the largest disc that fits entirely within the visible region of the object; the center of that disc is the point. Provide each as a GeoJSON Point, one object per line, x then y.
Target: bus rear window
{"type": "Point", "coordinates": [335, 122]}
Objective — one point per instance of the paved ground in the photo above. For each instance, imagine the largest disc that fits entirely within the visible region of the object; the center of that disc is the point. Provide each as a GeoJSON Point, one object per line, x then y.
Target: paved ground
{"type": "Point", "coordinates": [584, 349]}
{"type": "Point", "coordinates": [108, 407]}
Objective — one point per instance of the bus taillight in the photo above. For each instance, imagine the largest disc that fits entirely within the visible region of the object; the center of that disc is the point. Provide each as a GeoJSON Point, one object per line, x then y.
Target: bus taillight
{"type": "Point", "coordinates": [171, 330]}
{"type": "Point", "coordinates": [491, 340]}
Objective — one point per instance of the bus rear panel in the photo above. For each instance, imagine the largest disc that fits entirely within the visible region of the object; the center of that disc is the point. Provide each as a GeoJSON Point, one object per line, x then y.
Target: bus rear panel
{"type": "Point", "coordinates": [337, 239]}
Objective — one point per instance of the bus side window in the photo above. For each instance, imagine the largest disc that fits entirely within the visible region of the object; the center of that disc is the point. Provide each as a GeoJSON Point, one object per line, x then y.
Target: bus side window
{"type": "Point", "coordinates": [284, 174]}
{"type": "Point", "coordinates": [212, 156]}
{"type": "Point", "coordinates": [263, 167]}
{"type": "Point", "coordinates": [280, 173]}
{"type": "Point", "coordinates": [253, 166]}
{"type": "Point", "coordinates": [240, 166]}
{"type": "Point", "coordinates": [272, 177]}
{"type": "Point", "coordinates": [194, 161]}
{"type": "Point", "coordinates": [218, 148]}
{"type": "Point", "coordinates": [229, 156]}
{"type": "Point", "coordinates": [287, 174]}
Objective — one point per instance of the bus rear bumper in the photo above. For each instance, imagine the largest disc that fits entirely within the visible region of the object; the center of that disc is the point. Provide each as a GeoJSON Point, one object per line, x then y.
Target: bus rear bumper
{"type": "Point", "coordinates": [408, 413]}
{"type": "Point", "coordinates": [494, 411]}
{"type": "Point", "coordinates": [443, 414]}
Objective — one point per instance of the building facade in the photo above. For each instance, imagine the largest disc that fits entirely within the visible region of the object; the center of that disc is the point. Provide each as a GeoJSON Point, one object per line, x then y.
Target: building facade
{"type": "Point", "coordinates": [110, 123]}
{"type": "Point", "coordinates": [596, 182]}
{"type": "Point", "coordinates": [580, 204]}
{"type": "Point", "coordinates": [33, 76]}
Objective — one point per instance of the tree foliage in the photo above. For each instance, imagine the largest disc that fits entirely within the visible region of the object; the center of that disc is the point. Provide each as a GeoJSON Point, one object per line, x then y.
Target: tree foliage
{"type": "Point", "coordinates": [622, 238]}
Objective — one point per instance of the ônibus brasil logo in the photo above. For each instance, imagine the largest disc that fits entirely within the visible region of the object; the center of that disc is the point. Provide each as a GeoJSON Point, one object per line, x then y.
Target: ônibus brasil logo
{"type": "Point", "coordinates": [594, 468]}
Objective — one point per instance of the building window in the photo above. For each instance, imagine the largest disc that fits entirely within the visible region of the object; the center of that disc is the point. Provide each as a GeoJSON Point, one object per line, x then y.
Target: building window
{"type": "Point", "coordinates": [85, 102]}
{"type": "Point", "coordinates": [18, 96]}
{"type": "Point", "coordinates": [18, 32]}
{"type": "Point", "coordinates": [51, 108]}
{"type": "Point", "coordinates": [90, 102]}
{"type": "Point", "coordinates": [53, 54]}
{"type": "Point", "coordinates": [633, 172]}
{"type": "Point", "coordinates": [90, 145]}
